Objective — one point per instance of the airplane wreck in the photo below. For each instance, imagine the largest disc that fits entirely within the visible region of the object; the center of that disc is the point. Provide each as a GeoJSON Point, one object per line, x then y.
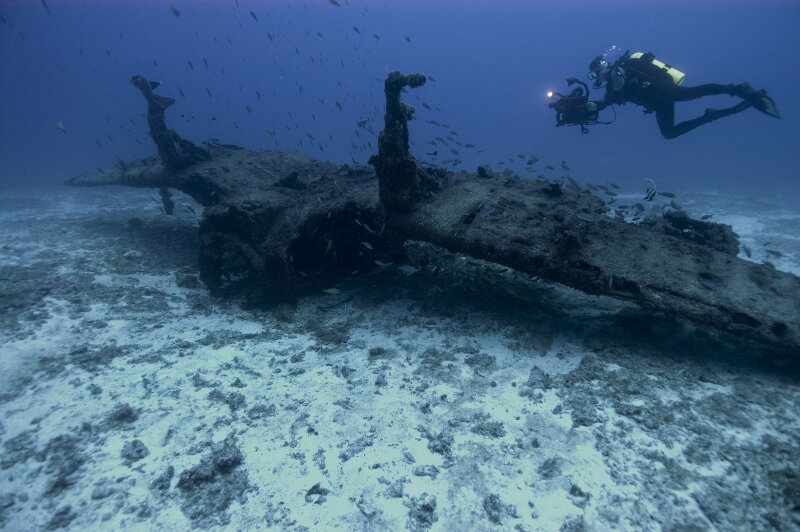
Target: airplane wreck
{"type": "Point", "coordinates": [277, 224]}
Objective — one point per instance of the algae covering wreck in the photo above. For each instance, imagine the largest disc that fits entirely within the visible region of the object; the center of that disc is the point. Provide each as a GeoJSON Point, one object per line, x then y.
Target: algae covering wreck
{"type": "Point", "coordinates": [279, 224]}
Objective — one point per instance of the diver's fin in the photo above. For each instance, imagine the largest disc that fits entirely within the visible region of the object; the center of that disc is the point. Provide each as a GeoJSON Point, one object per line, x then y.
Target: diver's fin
{"type": "Point", "coordinates": [765, 104]}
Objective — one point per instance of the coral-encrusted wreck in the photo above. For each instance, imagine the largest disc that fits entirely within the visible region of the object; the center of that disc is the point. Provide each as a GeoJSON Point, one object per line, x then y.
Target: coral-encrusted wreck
{"type": "Point", "coordinates": [277, 224]}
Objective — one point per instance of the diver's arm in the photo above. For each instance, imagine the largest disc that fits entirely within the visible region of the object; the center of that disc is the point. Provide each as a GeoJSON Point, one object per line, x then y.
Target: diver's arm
{"type": "Point", "coordinates": [602, 103]}
{"type": "Point", "coordinates": [599, 104]}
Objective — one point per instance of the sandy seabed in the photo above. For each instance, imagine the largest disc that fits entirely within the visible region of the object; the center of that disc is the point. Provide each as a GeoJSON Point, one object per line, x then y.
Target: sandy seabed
{"type": "Point", "coordinates": [444, 394]}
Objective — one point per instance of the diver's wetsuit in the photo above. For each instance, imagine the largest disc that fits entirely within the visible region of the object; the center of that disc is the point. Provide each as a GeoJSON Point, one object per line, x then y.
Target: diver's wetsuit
{"type": "Point", "coordinates": [638, 81]}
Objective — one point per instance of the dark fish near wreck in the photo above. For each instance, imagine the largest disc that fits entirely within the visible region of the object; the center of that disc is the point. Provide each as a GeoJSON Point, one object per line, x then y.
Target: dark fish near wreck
{"type": "Point", "coordinates": [175, 11]}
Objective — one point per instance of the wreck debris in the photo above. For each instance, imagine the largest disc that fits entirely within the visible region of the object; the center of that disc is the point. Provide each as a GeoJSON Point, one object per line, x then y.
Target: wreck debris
{"type": "Point", "coordinates": [167, 201]}
{"type": "Point", "coordinates": [278, 224]}
{"type": "Point", "coordinates": [402, 180]}
{"type": "Point", "coordinates": [173, 150]}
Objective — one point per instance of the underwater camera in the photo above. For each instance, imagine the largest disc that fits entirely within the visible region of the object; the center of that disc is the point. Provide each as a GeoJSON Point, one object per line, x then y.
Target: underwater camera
{"type": "Point", "coordinates": [574, 109]}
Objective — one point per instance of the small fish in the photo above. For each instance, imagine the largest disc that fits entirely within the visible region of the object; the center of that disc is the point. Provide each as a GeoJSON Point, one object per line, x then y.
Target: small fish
{"type": "Point", "coordinates": [408, 39]}
{"type": "Point", "coordinates": [708, 285]}
{"type": "Point", "coordinates": [332, 291]}
{"type": "Point", "coordinates": [376, 36]}
{"type": "Point", "coordinates": [60, 124]}
{"type": "Point", "coordinates": [335, 2]}
{"type": "Point", "coordinates": [175, 11]}
{"type": "Point", "coordinates": [355, 29]}
{"type": "Point", "coordinates": [706, 216]}
{"type": "Point", "coordinates": [747, 251]}
{"type": "Point", "coordinates": [650, 193]}
{"type": "Point", "coordinates": [254, 16]}
{"type": "Point", "coordinates": [181, 93]}
{"type": "Point", "coordinates": [249, 109]}
{"type": "Point", "coordinates": [46, 7]}
{"type": "Point", "coordinates": [209, 93]}
{"type": "Point", "coordinates": [190, 64]}
{"type": "Point", "coordinates": [426, 106]}
{"type": "Point", "coordinates": [367, 245]}
{"type": "Point", "coordinates": [564, 165]}
{"type": "Point", "coordinates": [586, 217]}
{"type": "Point", "coordinates": [549, 167]}
{"type": "Point", "coordinates": [666, 194]}
{"type": "Point", "coordinates": [205, 62]}
{"type": "Point", "coordinates": [338, 105]}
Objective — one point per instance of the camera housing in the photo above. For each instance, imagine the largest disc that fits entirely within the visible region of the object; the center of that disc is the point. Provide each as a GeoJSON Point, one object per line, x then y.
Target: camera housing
{"type": "Point", "coordinates": [574, 109]}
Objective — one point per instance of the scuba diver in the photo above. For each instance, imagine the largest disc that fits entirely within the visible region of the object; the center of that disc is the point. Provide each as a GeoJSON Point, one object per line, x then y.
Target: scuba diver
{"type": "Point", "coordinates": [642, 79]}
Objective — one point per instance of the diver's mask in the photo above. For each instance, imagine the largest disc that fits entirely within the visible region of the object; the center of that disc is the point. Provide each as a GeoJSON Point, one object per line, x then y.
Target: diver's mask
{"type": "Point", "coordinates": [598, 70]}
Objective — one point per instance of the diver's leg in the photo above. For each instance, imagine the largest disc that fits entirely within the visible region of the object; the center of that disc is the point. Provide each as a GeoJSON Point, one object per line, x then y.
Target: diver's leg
{"type": "Point", "coordinates": [682, 94]}
{"type": "Point", "coordinates": [665, 116]}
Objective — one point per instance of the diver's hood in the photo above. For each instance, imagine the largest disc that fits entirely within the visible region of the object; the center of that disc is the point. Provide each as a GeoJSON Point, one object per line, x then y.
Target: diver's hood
{"type": "Point", "coordinates": [598, 69]}
{"type": "Point", "coordinates": [596, 63]}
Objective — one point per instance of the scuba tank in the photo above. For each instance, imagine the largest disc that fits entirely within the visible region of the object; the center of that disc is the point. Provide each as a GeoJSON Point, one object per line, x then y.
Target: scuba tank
{"type": "Point", "coordinates": [676, 75]}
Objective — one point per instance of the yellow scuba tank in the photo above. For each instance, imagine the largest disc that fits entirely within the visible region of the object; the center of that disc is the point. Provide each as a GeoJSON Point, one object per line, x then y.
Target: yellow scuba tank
{"type": "Point", "coordinates": [676, 75]}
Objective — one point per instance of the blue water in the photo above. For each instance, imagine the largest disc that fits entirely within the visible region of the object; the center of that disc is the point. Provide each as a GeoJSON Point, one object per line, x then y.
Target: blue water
{"type": "Point", "coordinates": [492, 61]}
